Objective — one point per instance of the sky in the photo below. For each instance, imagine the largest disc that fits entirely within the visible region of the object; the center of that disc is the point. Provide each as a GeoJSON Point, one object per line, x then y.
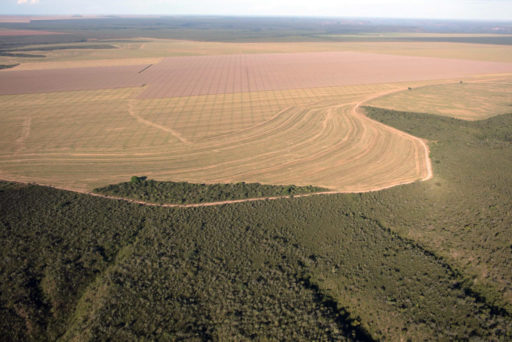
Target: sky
{"type": "Point", "coordinates": [431, 9]}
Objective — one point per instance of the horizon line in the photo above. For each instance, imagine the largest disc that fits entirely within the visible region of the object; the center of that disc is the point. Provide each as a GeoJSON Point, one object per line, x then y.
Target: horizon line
{"type": "Point", "coordinates": [101, 16]}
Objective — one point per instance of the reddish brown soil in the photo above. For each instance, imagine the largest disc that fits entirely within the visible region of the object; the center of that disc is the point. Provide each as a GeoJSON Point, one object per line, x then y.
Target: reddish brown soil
{"type": "Point", "coordinates": [201, 75]}
{"type": "Point", "coordinates": [46, 81]}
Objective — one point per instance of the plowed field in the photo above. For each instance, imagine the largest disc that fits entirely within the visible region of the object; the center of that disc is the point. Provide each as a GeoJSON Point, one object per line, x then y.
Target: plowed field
{"type": "Point", "coordinates": [304, 137]}
{"type": "Point", "coordinates": [276, 119]}
{"type": "Point", "coordinates": [200, 75]}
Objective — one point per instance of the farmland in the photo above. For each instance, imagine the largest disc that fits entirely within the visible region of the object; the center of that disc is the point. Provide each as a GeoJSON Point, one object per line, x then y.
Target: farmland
{"type": "Point", "coordinates": [326, 267]}
{"type": "Point", "coordinates": [467, 101]}
{"type": "Point", "coordinates": [268, 118]}
{"type": "Point", "coordinates": [136, 138]}
{"type": "Point", "coordinates": [137, 48]}
{"type": "Point", "coordinates": [314, 180]}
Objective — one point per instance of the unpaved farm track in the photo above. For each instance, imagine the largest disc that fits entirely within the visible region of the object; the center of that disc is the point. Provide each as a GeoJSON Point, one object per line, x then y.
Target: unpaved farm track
{"type": "Point", "coordinates": [134, 114]}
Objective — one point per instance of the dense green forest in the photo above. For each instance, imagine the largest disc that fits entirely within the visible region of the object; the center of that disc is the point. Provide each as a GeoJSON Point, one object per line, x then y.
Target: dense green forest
{"type": "Point", "coordinates": [465, 212]}
{"type": "Point", "coordinates": [152, 191]}
{"type": "Point", "coordinates": [401, 264]}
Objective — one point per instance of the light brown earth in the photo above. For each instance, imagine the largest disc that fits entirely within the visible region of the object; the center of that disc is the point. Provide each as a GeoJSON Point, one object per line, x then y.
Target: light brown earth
{"type": "Point", "coordinates": [138, 48]}
{"type": "Point", "coordinates": [314, 139]}
{"type": "Point", "coordinates": [466, 100]}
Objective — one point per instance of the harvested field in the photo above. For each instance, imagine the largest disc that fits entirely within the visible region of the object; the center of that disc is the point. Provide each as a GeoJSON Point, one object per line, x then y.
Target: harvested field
{"type": "Point", "coordinates": [142, 48]}
{"type": "Point", "coordinates": [467, 101]}
{"type": "Point", "coordinates": [305, 137]}
{"type": "Point", "coordinates": [189, 76]}
{"type": "Point", "coordinates": [274, 119]}
{"type": "Point", "coordinates": [47, 81]}
{"type": "Point", "coordinates": [202, 75]}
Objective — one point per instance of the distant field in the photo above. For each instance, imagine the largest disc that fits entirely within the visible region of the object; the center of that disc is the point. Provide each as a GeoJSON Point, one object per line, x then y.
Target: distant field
{"type": "Point", "coordinates": [468, 101]}
{"type": "Point", "coordinates": [247, 73]}
{"type": "Point", "coordinates": [48, 81]}
{"type": "Point", "coordinates": [139, 48]}
{"type": "Point", "coordinates": [202, 75]}
{"type": "Point", "coordinates": [344, 112]}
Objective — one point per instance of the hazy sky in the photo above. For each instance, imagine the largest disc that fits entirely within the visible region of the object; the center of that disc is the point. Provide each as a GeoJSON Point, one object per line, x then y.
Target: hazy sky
{"type": "Point", "coordinates": [435, 9]}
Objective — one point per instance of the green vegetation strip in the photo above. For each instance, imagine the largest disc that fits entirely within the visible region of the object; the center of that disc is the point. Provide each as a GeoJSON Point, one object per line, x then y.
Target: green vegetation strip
{"type": "Point", "coordinates": [139, 188]}
{"type": "Point", "coordinates": [67, 47]}
{"type": "Point", "coordinates": [7, 66]}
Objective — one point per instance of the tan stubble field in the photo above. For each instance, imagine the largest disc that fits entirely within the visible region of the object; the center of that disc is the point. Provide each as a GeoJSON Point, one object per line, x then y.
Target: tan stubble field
{"type": "Point", "coordinates": [276, 119]}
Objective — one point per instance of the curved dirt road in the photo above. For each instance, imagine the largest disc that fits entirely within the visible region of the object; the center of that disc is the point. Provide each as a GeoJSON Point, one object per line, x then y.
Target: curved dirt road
{"type": "Point", "coordinates": [423, 164]}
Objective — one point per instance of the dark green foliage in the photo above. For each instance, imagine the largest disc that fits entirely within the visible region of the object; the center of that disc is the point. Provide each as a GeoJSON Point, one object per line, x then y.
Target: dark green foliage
{"type": "Point", "coordinates": [464, 213]}
{"type": "Point", "coordinates": [67, 47]}
{"type": "Point", "coordinates": [137, 179]}
{"type": "Point", "coordinates": [10, 42]}
{"type": "Point", "coordinates": [300, 269]}
{"type": "Point", "coordinates": [182, 192]}
{"type": "Point", "coordinates": [19, 51]}
{"type": "Point", "coordinates": [24, 55]}
{"type": "Point", "coordinates": [7, 66]}
{"type": "Point", "coordinates": [206, 274]}
{"type": "Point", "coordinates": [52, 243]}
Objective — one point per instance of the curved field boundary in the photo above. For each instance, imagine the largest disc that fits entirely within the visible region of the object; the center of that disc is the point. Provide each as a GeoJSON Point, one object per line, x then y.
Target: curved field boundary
{"type": "Point", "coordinates": [423, 155]}
{"type": "Point", "coordinates": [369, 155]}
{"type": "Point", "coordinates": [316, 141]}
{"type": "Point", "coordinates": [314, 145]}
{"type": "Point", "coordinates": [469, 100]}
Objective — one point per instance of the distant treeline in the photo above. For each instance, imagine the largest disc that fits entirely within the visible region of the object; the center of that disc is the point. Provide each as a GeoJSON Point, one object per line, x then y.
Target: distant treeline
{"type": "Point", "coordinates": [254, 29]}
{"type": "Point", "coordinates": [24, 55]}
{"type": "Point", "coordinates": [67, 47]}
{"type": "Point", "coordinates": [7, 66]}
{"type": "Point", "coordinates": [19, 52]}
{"type": "Point", "coordinates": [153, 191]}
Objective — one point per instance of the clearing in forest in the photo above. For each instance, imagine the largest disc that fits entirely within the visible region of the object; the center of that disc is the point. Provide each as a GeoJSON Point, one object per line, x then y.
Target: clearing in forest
{"type": "Point", "coordinates": [272, 119]}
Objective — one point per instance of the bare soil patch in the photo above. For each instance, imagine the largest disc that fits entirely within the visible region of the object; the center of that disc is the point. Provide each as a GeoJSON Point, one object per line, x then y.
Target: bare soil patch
{"type": "Point", "coordinates": [202, 75]}
{"type": "Point", "coordinates": [54, 80]}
